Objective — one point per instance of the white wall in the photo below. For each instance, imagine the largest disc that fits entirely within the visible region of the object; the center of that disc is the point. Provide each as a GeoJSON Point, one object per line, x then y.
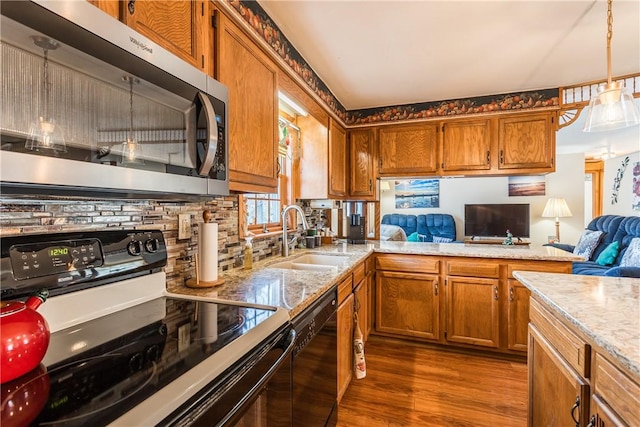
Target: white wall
{"type": "Point", "coordinates": [567, 182]}
{"type": "Point", "coordinates": [625, 192]}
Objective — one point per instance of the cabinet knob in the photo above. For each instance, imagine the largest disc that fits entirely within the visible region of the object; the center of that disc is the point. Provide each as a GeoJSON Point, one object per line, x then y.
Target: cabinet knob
{"type": "Point", "coordinates": [592, 421]}
{"type": "Point", "coordinates": [495, 293]}
{"type": "Point", "coordinates": [435, 288]}
{"type": "Point", "coordinates": [501, 156]}
{"type": "Point", "coordinates": [511, 294]}
{"type": "Point", "coordinates": [131, 6]}
{"type": "Point", "coordinates": [488, 157]}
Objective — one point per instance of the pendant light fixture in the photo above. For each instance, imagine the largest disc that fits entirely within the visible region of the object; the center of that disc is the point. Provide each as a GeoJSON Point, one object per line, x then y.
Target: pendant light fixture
{"type": "Point", "coordinates": [44, 133]}
{"type": "Point", "coordinates": [613, 106]}
{"type": "Point", "coordinates": [131, 150]}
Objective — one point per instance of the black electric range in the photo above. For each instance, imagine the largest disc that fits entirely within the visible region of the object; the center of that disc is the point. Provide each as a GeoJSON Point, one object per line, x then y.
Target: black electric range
{"type": "Point", "coordinates": [125, 352]}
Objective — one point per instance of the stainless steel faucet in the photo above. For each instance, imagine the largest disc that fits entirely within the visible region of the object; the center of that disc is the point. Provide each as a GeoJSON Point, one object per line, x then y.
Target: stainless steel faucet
{"type": "Point", "coordinates": [305, 226]}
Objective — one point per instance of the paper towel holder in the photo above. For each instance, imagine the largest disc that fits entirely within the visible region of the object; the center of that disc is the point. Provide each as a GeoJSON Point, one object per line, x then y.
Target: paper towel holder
{"type": "Point", "coordinates": [196, 282]}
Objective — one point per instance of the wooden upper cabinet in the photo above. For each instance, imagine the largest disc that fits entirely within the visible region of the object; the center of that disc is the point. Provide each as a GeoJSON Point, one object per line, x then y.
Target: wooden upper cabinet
{"type": "Point", "coordinates": [252, 80]}
{"type": "Point", "coordinates": [313, 181]}
{"type": "Point", "coordinates": [362, 183]}
{"type": "Point", "coordinates": [466, 146]}
{"type": "Point", "coordinates": [178, 26]}
{"type": "Point", "coordinates": [527, 142]}
{"type": "Point", "coordinates": [408, 149]}
{"type": "Point", "coordinates": [109, 6]}
{"type": "Point", "coordinates": [337, 160]}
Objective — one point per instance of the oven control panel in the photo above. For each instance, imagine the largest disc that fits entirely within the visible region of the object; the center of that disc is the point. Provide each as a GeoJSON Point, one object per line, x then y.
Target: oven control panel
{"type": "Point", "coordinates": [65, 262]}
{"type": "Point", "coordinates": [42, 259]}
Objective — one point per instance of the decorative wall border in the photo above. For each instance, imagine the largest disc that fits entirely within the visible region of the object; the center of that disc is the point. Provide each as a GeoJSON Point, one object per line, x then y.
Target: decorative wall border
{"type": "Point", "coordinates": [264, 28]}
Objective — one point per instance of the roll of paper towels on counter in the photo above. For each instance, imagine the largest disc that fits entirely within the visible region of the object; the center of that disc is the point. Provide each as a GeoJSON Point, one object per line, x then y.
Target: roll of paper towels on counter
{"type": "Point", "coordinates": [208, 251]}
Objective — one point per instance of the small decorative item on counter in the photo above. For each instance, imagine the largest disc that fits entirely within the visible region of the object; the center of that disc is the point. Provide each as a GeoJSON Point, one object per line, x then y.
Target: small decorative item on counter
{"type": "Point", "coordinates": [359, 365]}
{"type": "Point", "coordinates": [25, 336]}
{"type": "Point", "coordinates": [248, 252]}
{"type": "Point", "coordinates": [509, 239]}
{"type": "Point", "coordinates": [310, 241]}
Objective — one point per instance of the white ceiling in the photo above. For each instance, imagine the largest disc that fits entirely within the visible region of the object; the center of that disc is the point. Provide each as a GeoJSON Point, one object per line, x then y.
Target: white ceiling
{"type": "Point", "coordinates": [373, 53]}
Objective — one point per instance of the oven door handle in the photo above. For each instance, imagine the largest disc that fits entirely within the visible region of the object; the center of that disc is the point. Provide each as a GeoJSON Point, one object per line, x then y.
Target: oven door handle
{"type": "Point", "coordinates": [291, 339]}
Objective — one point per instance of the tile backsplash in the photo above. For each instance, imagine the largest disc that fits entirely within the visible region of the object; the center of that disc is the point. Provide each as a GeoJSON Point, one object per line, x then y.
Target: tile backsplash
{"type": "Point", "coordinates": [31, 216]}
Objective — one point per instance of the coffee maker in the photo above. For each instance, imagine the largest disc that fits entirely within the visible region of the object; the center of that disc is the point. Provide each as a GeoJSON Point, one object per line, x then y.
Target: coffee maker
{"type": "Point", "coordinates": [355, 230]}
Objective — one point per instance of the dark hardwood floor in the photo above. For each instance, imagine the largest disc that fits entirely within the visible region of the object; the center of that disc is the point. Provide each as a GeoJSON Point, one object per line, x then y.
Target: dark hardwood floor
{"type": "Point", "coordinates": [408, 384]}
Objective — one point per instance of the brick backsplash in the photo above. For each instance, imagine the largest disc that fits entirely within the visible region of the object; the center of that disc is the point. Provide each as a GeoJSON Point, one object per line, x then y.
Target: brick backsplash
{"type": "Point", "coordinates": [46, 215]}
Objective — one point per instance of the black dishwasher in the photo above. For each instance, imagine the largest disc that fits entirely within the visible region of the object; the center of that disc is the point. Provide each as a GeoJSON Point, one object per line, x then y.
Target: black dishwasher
{"type": "Point", "coordinates": [315, 359]}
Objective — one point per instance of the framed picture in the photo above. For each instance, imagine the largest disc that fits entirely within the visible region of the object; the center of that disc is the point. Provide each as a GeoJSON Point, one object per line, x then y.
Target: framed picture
{"type": "Point", "coordinates": [417, 193]}
{"type": "Point", "coordinates": [527, 186]}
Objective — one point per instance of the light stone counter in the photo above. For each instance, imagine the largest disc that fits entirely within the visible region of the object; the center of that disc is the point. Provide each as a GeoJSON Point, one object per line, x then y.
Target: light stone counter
{"type": "Point", "coordinates": [606, 310]}
{"type": "Point", "coordinates": [295, 290]}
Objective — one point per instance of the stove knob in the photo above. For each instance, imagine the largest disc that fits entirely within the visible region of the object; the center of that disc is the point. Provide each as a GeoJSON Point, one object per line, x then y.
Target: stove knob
{"type": "Point", "coordinates": [153, 353]}
{"type": "Point", "coordinates": [152, 245]}
{"type": "Point", "coordinates": [136, 362]}
{"type": "Point", "coordinates": [134, 247]}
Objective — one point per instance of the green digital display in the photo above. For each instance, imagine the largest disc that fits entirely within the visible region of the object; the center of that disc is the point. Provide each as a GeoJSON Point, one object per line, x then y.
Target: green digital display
{"type": "Point", "coordinates": [55, 252]}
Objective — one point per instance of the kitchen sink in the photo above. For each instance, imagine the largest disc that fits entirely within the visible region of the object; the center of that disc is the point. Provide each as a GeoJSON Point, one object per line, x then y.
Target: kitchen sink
{"type": "Point", "coordinates": [314, 262]}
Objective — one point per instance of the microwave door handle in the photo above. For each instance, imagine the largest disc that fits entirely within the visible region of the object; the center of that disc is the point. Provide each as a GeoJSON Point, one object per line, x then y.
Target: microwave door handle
{"type": "Point", "coordinates": [212, 139]}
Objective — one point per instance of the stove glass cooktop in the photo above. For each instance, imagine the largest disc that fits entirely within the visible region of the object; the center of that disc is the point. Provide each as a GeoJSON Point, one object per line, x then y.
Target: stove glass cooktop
{"type": "Point", "coordinates": [97, 371]}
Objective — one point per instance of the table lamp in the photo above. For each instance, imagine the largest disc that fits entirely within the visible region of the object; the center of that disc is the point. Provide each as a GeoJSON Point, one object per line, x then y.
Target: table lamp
{"type": "Point", "coordinates": [556, 207]}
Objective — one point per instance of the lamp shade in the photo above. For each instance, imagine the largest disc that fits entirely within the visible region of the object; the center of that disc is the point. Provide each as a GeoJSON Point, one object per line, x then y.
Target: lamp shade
{"type": "Point", "coordinates": [384, 186]}
{"type": "Point", "coordinates": [612, 108]}
{"type": "Point", "coordinates": [556, 207]}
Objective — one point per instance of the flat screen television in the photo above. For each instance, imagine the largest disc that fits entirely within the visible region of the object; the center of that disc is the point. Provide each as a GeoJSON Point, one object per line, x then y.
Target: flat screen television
{"type": "Point", "coordinates": [494, 220]}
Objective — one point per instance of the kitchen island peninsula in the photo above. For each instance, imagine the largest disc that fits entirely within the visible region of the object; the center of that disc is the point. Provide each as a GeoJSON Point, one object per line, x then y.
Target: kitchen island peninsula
{"type": "Point", "coordinates": [584, 349]}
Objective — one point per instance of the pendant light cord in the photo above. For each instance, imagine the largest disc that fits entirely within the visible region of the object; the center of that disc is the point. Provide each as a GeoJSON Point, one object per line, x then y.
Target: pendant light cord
{"type": "Point", "coordinates": [609, 35]}
{"type": "Point", "coordinates": [46, 84]}
{"type": "Point", "coordinates": [130, 108]}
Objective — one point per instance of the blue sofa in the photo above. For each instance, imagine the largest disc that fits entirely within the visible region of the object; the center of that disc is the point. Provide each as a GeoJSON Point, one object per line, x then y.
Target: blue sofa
{"type": "Point", "coordinates": [426, 225]}
{"type": "Point", "coordinates": [615, 228]}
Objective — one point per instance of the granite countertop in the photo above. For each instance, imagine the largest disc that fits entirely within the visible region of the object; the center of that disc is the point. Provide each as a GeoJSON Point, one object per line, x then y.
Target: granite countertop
{"type": "Point", "coordinates": [605, 309]}
{"type": "Point", "coordinates": [294, 290]}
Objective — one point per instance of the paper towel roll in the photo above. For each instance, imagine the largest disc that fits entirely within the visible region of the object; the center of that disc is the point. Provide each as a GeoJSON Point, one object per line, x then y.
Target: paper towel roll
{"type": "Point", "coordinates": [208, 251]}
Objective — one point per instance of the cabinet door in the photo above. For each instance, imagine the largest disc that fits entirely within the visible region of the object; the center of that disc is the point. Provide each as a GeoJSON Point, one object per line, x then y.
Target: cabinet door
{"type": "Point", "coordinates": [408, 304]}
{"type": "Point", "coordinates": [473, 311]}
{"type": "Point", "coordinates": [178, 26]}
{"type": "Point", "coordinates": [112, 7]}
{"type": "Point", "coordinates": [313, 163]}
{"type": "Point", "coordinates": [558, 396]}
{"type": "Point", "coordinates": [466, 146]}
{"type": "Point", "coordinates": [518, 316]}
{"type": "Point", "coordinates": [602, 415]}
{"type": "Point", "coordinates": [408, 149]}
{"type": "Point", "coordinates": [361, 164]}
{"type": "Point", "coordinates": [345, 344]}
{"type": "Point", "coordinates": [252, 80]}
{"type": "Point", "coordinates": [337, 160]}
{"type": "Point", "coordinates": [526, 142]}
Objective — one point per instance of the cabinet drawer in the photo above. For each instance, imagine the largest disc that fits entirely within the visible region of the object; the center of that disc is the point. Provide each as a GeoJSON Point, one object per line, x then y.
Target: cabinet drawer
{"type": "Point", "coordinates": [358, 273]}
{"type": "Point", "coordinates": [409, 263]}
{"type": "Point", "coordinates": [541, 266]}
{"type": "Point", "coordinates": [618, 391]}
{"type": "Point", "coordinates": [478, 268]}
{"type": "Point", "coordinates": [572, 348]}
{"type": "Point", "coordinates": [345, 289]}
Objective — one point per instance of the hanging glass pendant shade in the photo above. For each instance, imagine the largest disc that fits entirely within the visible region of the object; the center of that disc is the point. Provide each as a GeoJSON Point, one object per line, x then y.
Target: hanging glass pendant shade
{"type": "Point", "coordinates": [131, 149]}
{"type": "Point", "coordinates": [44, 132]}
{"type": "Point", "coordinates": [613, 106]}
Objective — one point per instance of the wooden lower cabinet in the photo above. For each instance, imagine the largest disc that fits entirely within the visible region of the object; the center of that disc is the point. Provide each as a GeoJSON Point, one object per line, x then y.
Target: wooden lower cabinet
{"type": "Point", "coordinates": [558, 395]}
{"type": "Point", "coordinates": [517, 315]}
{"type": "Point", "coordinates": [360, 304]}
{"type": "Point", "coordinates": [345, 344]}
{"type": "Point", "coordinates": [408, 304]}
{"type": "Point", "coordinates": [473, 311]}
{"type": "Point", "coordinates": [602, 415]}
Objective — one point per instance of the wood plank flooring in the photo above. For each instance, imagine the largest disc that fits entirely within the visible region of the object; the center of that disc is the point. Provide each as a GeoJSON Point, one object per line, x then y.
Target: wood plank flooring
{"type": "Point", "coordinates": [408, 384]}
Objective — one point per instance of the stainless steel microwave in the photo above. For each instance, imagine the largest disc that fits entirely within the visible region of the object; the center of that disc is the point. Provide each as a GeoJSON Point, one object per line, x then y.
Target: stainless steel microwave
{"type": "Point", "coordinates": [91, 107]}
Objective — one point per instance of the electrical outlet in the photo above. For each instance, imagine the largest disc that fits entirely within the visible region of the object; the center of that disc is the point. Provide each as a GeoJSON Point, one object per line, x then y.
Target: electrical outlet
{"type": "Point", "coordinates": [184, 226]}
